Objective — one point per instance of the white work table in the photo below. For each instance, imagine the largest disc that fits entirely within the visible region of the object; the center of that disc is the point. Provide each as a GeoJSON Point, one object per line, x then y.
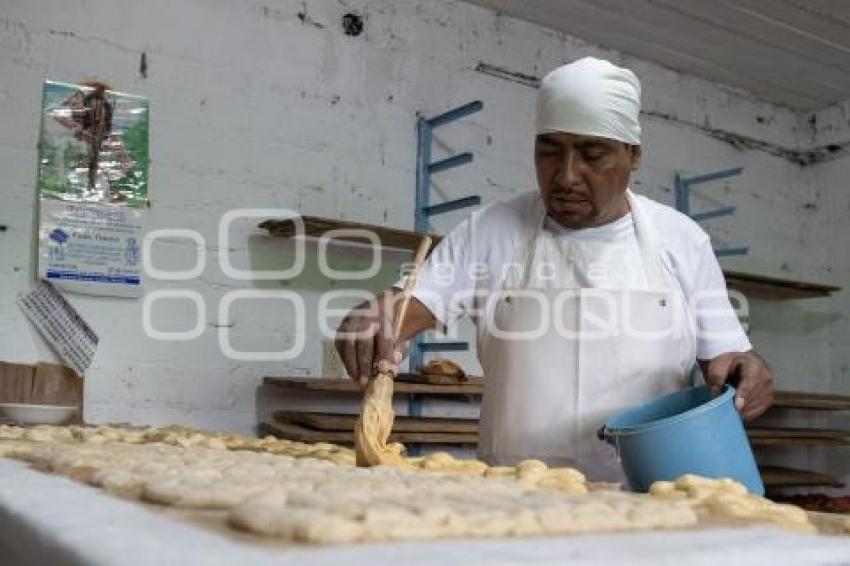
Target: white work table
{"type": "Point", "coordinates": [46, 519]}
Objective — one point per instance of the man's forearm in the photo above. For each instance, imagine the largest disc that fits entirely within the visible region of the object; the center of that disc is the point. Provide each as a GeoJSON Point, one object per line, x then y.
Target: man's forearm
{"type": "Point", "coordinates": [417, 319]}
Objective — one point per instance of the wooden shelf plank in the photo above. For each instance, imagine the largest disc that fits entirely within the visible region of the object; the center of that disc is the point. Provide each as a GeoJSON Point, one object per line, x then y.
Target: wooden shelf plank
{"type": "Point", "coordinates": [797, 441]}
{"type": "Point", "coordinates": [813, 401]}
{"type": "Point", "coordinates": [775, 436]}
{"type": "Point", "coordinates": [316, 227]}
{"type": "Point", "coordinates": [435, 379]}
{"type": "Point", "coordinates": [829, 523]}
{"type": "Point", "coordinates": [776, 476]}
{"type": "Point", "coordinates": [764, 287]}
{"type": "Point", "coordinates": [304, 434]}
{"type": "Point", "coordinates": [789, 432]}
{"type": "Point", "coordinates": [343, 422]}
{"type": "Point", "coordinates": [473, 387]}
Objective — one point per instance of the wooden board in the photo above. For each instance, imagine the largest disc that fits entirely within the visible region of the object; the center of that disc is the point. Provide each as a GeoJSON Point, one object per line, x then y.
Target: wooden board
{"type": "Point", "coordinates": [779, 436]}
{"type": "Point", "coordinates": [316, 227]}
{"type": "Point", "coordinates": [434, 379]}
{"type": "Point", "coordinates": [337, 422]}
{"type": "Point", "coordinates": [813, 401]}
{"type": "Point", "coordinates": [472, 387]}
{"type": "Point", "coordinates": [764, 287]}
{"type": "Point", "coordinates": [776, 476]}
{"type": "Point", "coordinates": [304, 434]}
{"type": "Point", "coordinates": [830, 523]}
{"type": "Point", "coordinates": [797, 441]}
{"type": "Point", "coordinates": [788, 432]}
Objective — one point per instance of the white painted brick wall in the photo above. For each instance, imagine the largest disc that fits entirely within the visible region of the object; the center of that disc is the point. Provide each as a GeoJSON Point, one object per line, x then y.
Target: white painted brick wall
{"type": "Point", "coordinates": [828, 321]}
{"type": "Point", "coordinates": [253, 108]}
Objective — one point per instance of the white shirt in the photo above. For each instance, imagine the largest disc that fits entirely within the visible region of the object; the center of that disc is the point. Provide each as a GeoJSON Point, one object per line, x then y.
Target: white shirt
{"type": "Point", "coordinates": [468, 267]}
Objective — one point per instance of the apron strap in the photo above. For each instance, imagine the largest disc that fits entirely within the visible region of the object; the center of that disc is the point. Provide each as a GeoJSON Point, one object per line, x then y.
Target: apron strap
{"type": "Point", "coordinates": [652, 253]}
{"type": "Point", "coordinates": [517, 278]}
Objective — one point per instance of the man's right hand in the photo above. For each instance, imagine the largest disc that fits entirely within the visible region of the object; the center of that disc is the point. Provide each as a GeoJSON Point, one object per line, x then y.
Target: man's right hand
{"type": "Point", "coordinates": [364, 339]}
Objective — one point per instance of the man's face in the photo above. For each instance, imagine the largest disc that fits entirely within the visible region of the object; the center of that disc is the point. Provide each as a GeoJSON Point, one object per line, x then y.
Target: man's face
{"type": "Point", "coordinates": [583, 179]}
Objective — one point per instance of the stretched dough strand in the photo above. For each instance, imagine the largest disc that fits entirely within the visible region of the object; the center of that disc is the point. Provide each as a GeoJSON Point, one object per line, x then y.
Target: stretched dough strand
{"type": "Point", "coordinates": [376, 415]}
{"type": "Point", "coordinates": [374, 425]}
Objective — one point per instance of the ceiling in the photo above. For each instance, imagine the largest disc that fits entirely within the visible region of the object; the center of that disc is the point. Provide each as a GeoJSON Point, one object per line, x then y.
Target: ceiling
{"type": "Point", "coordinates": [790, 52]}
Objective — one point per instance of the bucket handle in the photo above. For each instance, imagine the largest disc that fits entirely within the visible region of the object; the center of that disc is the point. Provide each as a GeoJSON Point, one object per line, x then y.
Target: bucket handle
{"type": "Point", "coordinates": [604, 435]}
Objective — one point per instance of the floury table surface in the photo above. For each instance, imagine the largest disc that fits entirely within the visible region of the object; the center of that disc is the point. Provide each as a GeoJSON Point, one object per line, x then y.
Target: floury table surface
{"type": "Point", "coordinates": [46, 519]}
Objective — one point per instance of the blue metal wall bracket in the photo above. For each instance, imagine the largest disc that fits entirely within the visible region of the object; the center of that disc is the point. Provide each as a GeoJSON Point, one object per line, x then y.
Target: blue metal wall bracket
{"type": "Point", "coordinates": [464, 202]}
{"type": "Point", "coordinates": [444, 346]}
{"type": "Point", "coordinates": [450, 162]}
{"type": "Point", "coordinates": [683, 203]}
{"type": "Point", "coordinates": [725, 211]}
{"type": "Point", "coordinates": [455, 114]}
{"type": "Point", "coordinates": [739, 250]}
{"type": "Point", "coordinates": [425, 167]}
{"type": "Point", "coordinates": [424, 210]}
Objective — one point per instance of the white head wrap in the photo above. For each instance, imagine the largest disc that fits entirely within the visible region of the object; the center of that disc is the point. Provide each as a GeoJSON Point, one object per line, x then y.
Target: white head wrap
{"type": "Point", "coordinates": [590, 97]}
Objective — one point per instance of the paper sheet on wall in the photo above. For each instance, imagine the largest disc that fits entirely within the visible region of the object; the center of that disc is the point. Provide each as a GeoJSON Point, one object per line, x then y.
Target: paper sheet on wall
{"type": "Point", "coordinates": [61, 325]}
{"type": "Point", "coordinates": [91, 249]}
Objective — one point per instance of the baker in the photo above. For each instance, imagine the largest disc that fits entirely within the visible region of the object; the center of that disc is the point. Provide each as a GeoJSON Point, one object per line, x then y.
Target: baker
{"type": "Point", "coordinates": [587, 298]}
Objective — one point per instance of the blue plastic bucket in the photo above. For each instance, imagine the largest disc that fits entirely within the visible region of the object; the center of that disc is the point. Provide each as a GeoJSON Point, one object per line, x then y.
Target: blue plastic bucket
{"type": "Point", "coordinates": [686, 432]}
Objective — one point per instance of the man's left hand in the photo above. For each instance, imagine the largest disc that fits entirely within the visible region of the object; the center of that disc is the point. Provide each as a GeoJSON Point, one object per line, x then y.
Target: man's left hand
{"type": "Point", "coordinates": [750, 376]}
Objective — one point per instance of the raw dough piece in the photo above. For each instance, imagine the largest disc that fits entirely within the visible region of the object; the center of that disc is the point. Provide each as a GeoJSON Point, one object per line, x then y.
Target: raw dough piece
{"type": "Point", "coordinates": [11, 448]}
{"type": "Point", "coordinates": [260, 514]}
{"type": "Point", "coordinates": [726, 498]}
{"type": "Point", "coordinates": [46, 433]}
{"type": "Point", "coordinates": [530, 472]}
{"type": "Point", "coordinates": [199, 494]}
{"type": "Point", "coordinates": [437, 461]}
{"type": "Point", "coordinates": [122, 483]}
{"type": "Point", "coordinates": [11, 432]}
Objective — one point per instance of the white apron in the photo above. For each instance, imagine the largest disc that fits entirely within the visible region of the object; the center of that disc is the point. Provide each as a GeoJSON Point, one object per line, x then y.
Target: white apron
{"type": "Point", "coordinates": [560, 358]}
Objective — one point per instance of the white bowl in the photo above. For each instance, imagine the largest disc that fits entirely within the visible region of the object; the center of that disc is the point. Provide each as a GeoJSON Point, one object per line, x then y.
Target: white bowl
{"type": "Point", "coordinates": [24, 413]}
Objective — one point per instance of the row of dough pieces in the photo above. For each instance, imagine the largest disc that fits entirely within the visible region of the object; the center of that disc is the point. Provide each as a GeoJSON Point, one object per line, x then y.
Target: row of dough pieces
{"type": "Point", "coordinates": [174, 435]}
{"type": "Point", "coordinates": [311, 500]}
{"type": "Point", "coordinates": [316, 501]}
{"type": "Point", "coordinates": [531, 473]}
